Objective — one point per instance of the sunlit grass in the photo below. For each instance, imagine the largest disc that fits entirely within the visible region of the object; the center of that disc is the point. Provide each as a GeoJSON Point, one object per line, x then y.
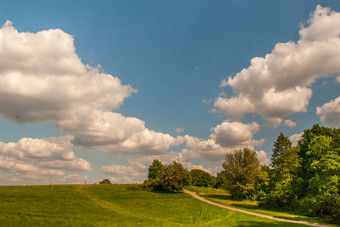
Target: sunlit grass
{"type": "Point", "coordinates": [112, 205]}
{"type": "Point", "coordinates": [224, 198]}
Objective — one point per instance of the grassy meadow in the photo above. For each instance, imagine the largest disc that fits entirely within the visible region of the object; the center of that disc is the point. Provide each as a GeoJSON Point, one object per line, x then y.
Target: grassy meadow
{"type": "Point", "coordinates": [113, 205]}
{"type": "Point", "coordinates": [224, 198]}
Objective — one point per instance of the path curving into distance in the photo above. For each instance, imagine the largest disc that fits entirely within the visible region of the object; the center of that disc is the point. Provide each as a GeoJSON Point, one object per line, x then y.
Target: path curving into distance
{"type": "Point", "coordinates": [193, 194]}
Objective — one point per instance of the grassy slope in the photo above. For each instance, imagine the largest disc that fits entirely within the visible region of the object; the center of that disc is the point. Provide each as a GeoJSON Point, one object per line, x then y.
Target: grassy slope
{"type": "Point", "coordinates": [222, 197]}
{"type": "Point", "coordinates": [110, 205]}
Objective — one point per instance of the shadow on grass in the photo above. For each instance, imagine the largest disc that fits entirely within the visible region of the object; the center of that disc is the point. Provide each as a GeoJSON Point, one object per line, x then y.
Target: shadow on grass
{"type": "Point", "coordinates": [246, 206]}
{"type": "Point", "coordinates": [159, 191]}
{"type": "Point", "coordinates": [258, 223]}
{"type": "Point", "coordinates": [298, 216]}
{"type": "Point", "coordinates": [136, 187]}
{"type": "Point", "coordinates": [218, 196]}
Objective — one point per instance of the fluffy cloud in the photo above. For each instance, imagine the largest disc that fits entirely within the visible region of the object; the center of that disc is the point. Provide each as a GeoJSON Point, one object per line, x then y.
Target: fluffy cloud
{"type": "Point", "coordinates": [224, 138]}
{"type": "Point", "coordinates": [234, 107]}
{"type": "Point", "coordinates": [289, 123]}
{"type": "Point", "coordinates": [54, 153]}
{"type": "Point", "coordinates": [277, 85]}
{"type": "Point", "coordinates": [12, 165]}
{"type": "Point", "coordinates": [38, 161]}
{"type": "Point", "coordinates": [231, 134]}
{"type": "Point", "coordinates": [42, 79]}
{"type": "Point", "coordinates": [119, 170]}
{"type": "Point", "coordinates": [179, 130]}
{"type": "Point", "coordinates": [295, 138]}
{"type": "Point", "coordinates": [329, 113]}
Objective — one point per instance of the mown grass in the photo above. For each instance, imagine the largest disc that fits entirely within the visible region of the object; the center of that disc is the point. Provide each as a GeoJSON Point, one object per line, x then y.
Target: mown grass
{"type": "Point", "coordinates": [224, 198]}
{"type": "Point", "coordinates": [112, 205]}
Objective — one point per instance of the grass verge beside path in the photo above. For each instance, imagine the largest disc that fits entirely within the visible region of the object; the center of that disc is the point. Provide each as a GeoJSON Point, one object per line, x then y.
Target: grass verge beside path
{"type": "Point", "coordinates": [224, 198]}
{"type": "Point", "coordinates": [112, 205]}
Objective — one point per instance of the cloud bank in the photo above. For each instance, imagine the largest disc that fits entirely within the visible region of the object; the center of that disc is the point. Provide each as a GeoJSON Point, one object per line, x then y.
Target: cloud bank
{"type": "Point", "coordinates": [41, 160]}
{"type": "Point", "coordinates": [43, 79]}
{"type": "Point", "coordinates": [277, 85]}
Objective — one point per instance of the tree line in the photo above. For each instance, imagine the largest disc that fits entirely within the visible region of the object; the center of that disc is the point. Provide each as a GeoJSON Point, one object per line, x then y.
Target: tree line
{"type": "Point", "coordinates": [305, 177]}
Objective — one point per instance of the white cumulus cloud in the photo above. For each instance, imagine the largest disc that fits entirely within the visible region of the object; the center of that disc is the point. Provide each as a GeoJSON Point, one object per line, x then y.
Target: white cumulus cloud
{"type": "Point", "coordinates": [43, 79]}
{"type": "Point", "coordinates": [289, 123]}
{"type": "Point", "coordinates": [276, 85]}
{"type": "Point", "coordinates": [49, 153]}
{"type": "Point", "coordinates": [329, 113]}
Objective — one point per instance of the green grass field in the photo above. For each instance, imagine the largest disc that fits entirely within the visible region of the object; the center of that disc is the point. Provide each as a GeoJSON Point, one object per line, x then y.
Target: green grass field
{"type": "Point", "coordinates": [112, 205]}
{"type": "Point", "coordinates": [224, 198]}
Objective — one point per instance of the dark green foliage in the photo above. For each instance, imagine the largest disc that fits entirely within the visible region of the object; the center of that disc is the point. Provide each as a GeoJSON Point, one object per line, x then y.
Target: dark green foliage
{"type": "Point", "coordinates": [171, 177]}
{"type": "Point", "coordinates": [105, 181]}
{"type": "Point", "coordinates": [282, 177]}
{"type": "Point", "coordinates": [220, 180]}
{"type": "Point", "coordinates": [155, 169]}
{"type": "Point", "coordinates": [323, 172]}
{"type": "Point", "coordinates": [154, 174]}
{"type": "Point", "coordinates": [307, 176]}
{"type": "Point", "coordinates": [201, 178]}
{"type": "Point", "coordinates": [241, 170]}
{"type": "Point", "coordinates": [282, 146]}
{"type": "Point", "coordinates": [174, 177]}
{"type": "Point", "coordinates": [261, 184]}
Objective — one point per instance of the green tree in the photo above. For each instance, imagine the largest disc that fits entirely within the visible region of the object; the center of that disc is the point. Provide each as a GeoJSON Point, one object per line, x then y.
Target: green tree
{"type": "Point", "coordinates": [154, 174]}
{"type": "Point", "coordinates": [307, 176]}
{"type": "Point", "coordinates": [261, 184]}
{"type": "Point", "coordinates": [283, 178]}
{"type": "Point", "coordinates": [323, 172]}
{"type": "Point", "coordinates": [304, 145]}
{"type": "Point", "coordinates": [282, 145]}
{"type": "Point", "coordinates": [155, 169]}
{"type": "Point", "coordinates": [174, 177]}
{"type": "Point", "coordinates": [242, 167]}
{"type": "Point", "coordinates": [220, 180]}
{"type": "Point", "coordinates": [201, 178]}
{"type": "Point", "coordinates": [105, 181]}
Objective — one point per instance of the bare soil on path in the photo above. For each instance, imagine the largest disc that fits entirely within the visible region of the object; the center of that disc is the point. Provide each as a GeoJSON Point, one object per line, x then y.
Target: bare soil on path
{"type": "Point", "coordinates": [193, 194]}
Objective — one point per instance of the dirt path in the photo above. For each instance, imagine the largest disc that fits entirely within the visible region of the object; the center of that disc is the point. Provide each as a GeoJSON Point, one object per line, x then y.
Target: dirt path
{"type": "Point", "coordinates": [193, 194]}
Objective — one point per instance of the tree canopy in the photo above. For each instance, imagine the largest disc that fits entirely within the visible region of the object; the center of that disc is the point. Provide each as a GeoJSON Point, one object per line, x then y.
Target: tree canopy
{"type": "Point", "coordinates": [201, 178]}
{"type": "Point", "coordinates": [306, 176]}
{"type": "Point", "coordinates": [105, 181]}
{"type": "Point", "coordinates": [172, 177]}
{"type": "Point", "coordinates": [241, 168]}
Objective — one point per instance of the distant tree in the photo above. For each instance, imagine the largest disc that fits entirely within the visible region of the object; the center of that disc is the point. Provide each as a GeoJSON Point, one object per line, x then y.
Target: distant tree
{"type": "Point", "coordinates": [174, 177]}
{"type": "Point", "coordinates": [201, 178]}
{"type": "Point", "coordinates": [242, 167]}
{"type": "Point", "coordinates": [154, 174]}
{"type": "Point", "coordinates": [105, 181]}
{"type": "Point", "coordinates": [220, 180]}
{"type": "Point", "coordinates": [155, 169]}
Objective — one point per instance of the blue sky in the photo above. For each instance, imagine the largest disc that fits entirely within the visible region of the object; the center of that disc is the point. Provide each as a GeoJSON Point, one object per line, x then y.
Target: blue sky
{"type": "Point", "coordinates": [94, 90]}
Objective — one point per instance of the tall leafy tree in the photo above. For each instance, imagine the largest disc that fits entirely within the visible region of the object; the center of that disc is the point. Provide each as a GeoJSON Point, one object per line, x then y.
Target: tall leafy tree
{"type": "Point", "coordinates": [242, 167]}
{"type": "Point", "coordinates": [305, 144]}
{"type": "Point", "coordinates": [306, 176]}
{"type": "Point", "coordinates": [174, 177]}
{"type": "Point", "coordinates": [155, 169]}
{"type": "Point", "coordinates": [282, 145]}
{"type": "Point", "coordinates": [323, 172]}
{"type": "Point", "coordinates": [201, 178]}
{"type": "Point", "coordinates": [220, 180]}
{"type": "Point", "coordinates": [154, 174]}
